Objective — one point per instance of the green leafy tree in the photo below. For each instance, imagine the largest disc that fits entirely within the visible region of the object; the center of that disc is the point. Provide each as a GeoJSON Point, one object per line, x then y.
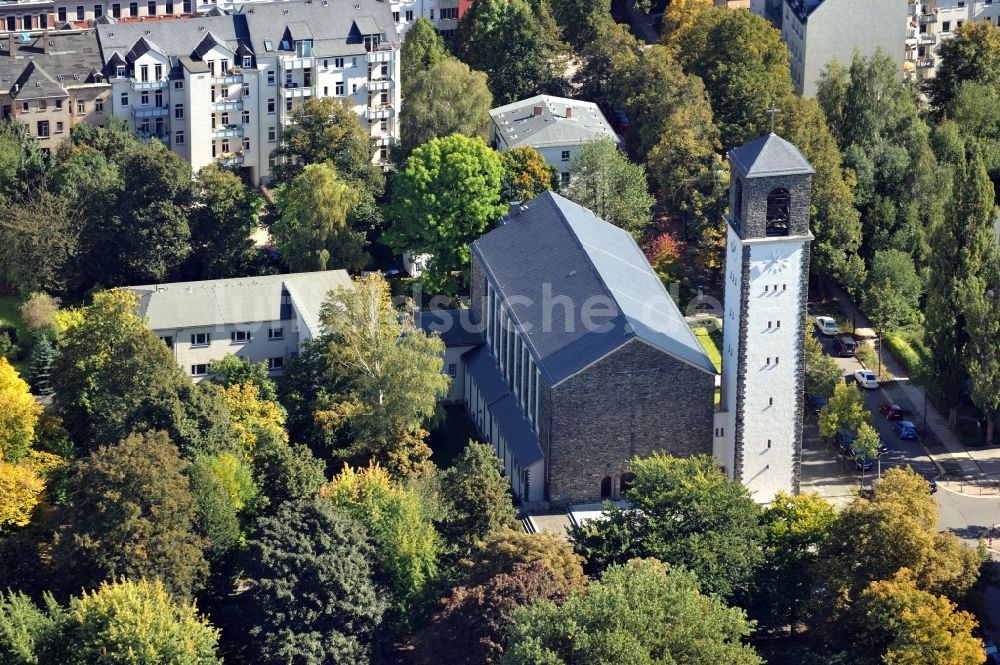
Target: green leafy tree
{"type": "Point", "coordinates": [24, 627]}
{"type": "Point", "coordinates": [972, 55]}
{"type": "Point", "coordinates": [526, 173]}
{"type": "Point", "coordinates": [131, 514]}
{"type": "Point", "coordinates": [399, 521]}
{"type": "Point", "coordinates": [640, 612]}
{"type": "Point", "coordinates": [609, 50]}
{"type": "Point", "coordinates": [447, 195]}
{"type": "Point", "coordinates": [471, 624]}
{"type": "Point", "coordinates": [982, 355]}
{"type": "Point", "coordinates": [39, 241]}
{"type": "Point", "coordinates": [502, 551]}
{"type": "Point", "coordinates": [686, 513]}
{"type": "Point", "coordinates": [217, 519]}
{"type": "Point", "coordinates": [313, 598]}
{"type": "Point", "coordinates": [447, 98]}
{"type": "Point", "coordinates": [823, 374]}
{"type": "Point", "coordinates": [286, 472]}
{"type": "Point", "coordinates": [232, 370]}
{"type": "Point", "coordinates": [221, 225]}
{"type": "Point", "coordinates": [866, 447]}
{"type": "Point", "coordinates": [892, 294]}
{"type": "Point", "coordinates": [315, 230]}
{"type": "Point", "coordinates": [906, 625]}
{"type": "Point", "coordinates": [795, 528]}
{"type": "Point", "coordinates": [22, 163]}
{"type": "Point", "coordinates": [844, 411]}
{"type": "Point", "coordinates": [507, 40]}
{"type": "Point", "coordinates": [422, 49]}
{"type": "Point", "coordinates": [604, 180]}
{"type": "Point", "coordinates": [479, 495]}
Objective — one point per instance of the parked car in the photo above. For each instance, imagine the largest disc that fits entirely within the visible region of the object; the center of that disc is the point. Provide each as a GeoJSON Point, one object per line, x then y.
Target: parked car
{"type": "Point", "coordinates": [866, 379]}
{"type": "Point", "coordinates": [816, 403]}
{"type": "Point", "coordinates": [891, 411]}
{"type": "Point", "coordinates": [846, 346]}
{"type": "Point", "coordinates": [861, 462]}
{"type": "Point", "coordinates": [905, 430]}
{"type": "Point", "coordinates": [826, 325]}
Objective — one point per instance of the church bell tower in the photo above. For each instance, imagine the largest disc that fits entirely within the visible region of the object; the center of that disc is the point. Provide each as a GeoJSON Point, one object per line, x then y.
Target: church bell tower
{"type": "Point", "coordinates": [758, 433]}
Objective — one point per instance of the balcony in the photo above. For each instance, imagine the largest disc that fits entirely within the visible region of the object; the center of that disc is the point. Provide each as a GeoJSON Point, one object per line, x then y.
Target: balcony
{"type": "Point", "coordinates": [379, 141]}
{"type": "Point", "coordinates": [381, 84]}
{"type": "Point", "coordinates": [382, 55]}
{"type": "Point", "coordinates": [228, 79]}
{"type": "Point", "coordinates": [379, 112]}
{"type": "Point", "coordinates": [289, 93]}
{"type": "Point", "coordinates": [228, 131]}
{"type": "Point", "coordinates": [148, 137]}
{"type": "Point", "coordinates": [928, 18]}
{"type": "Point", "coordinates": [227, 104]}
{"type": "Point", "coordinates": [149, 85]}
{"type": "Point", "coordinates": [296, 63]}
{"type": "Point", "coordinates": [149, 112]}
{"type": "Point", "coordinates": [230, 159]}
{"type": "Point", "coordinates": [447, 24]}
{"type": "Point", "coordinates": [925, 63]}
{"type": "Point", "coordinates": [926, 39]}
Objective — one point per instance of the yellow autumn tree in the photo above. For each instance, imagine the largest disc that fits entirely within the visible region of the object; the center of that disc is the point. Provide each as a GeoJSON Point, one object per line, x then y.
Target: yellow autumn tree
{"type": "Point", "coordinates": [19, 412]}
{"type": "Point", "coordinates": [254, 416]}
{"type": "Point", "coordinates": [22, 485]}
{"type": "Point", "coordinates": [679, 17]}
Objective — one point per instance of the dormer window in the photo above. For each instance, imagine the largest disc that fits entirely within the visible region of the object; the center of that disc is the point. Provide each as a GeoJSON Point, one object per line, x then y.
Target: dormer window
{"type": "Point", "coordinates": [120, 71]}
{"type": "Point", "coordinates": [777, 212]}
{"type": "Point", "coordinates": [247, 61]}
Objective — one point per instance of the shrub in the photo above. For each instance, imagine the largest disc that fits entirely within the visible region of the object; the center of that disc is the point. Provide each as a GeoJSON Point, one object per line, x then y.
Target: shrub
{"type": "Point", "coordinates": [911, 359]}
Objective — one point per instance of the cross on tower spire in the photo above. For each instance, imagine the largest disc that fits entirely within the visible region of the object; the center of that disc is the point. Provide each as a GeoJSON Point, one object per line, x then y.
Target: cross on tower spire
{"type": "Point", "coordinates": [773, 112]}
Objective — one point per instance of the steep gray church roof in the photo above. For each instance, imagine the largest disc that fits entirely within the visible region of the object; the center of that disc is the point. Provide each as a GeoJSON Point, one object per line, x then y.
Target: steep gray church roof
{"type": "Point", "coordinates": [580, 288]}
{"type": "Point", "coordinates": [769, 156]}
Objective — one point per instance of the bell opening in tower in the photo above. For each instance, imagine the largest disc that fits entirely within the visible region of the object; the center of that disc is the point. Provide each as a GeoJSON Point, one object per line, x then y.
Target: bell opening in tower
{"type": "Point", "coordinates": [777, 212]}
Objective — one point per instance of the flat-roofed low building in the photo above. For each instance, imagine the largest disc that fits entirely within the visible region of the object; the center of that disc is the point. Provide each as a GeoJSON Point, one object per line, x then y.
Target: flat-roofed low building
{"type": "Point", "coordinates": [260, 319]}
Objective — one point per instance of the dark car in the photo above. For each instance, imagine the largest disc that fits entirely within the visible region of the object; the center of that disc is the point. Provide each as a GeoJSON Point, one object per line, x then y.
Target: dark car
{"type": "Point", "coordinates": [863, 463]}
{"type": "Point", "coordinates": [816, 403]}
{"type": "Point", "coordinates": [846, 346]}
{"type": "Point", "coordinates": [844, 440]}
{"type": "Point", "coordinates": [905, 430]}
{"type": "Point", "coordinates": [891, 411]}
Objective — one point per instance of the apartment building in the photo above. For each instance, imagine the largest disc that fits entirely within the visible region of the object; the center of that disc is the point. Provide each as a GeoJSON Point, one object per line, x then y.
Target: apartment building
{"type": "Point", "coordinates": [818, 31]}
{"type": "Point", "coordinates": [260, 319]}
{"type": "Point", "coordinates": [27, 15]}
{"type": "Point", "coordinates": [554, 126]}
{"type": "Point", "coordinates": [52, 82]}
{"type": "Point", "coordinates": [223, 88]}
{"type": "Point", "coordinates": [932, 22]}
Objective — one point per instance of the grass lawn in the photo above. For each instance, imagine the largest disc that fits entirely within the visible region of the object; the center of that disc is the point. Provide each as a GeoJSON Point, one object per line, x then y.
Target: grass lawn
{"type": "Point", "coordinates": [450, 435]}
{"type": "Point", "coordinates": [707, 343]}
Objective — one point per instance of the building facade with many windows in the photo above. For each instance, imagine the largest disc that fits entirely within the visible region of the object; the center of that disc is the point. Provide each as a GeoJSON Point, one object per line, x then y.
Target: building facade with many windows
{"type": "Point", "coordinates": [222, 88]}
{"type": "Point", "coordinates": [933, 22]}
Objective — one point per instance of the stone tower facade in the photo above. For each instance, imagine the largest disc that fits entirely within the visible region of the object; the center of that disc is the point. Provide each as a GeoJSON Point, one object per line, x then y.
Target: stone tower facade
{"type": "Point", "coordinates": [758, 432]}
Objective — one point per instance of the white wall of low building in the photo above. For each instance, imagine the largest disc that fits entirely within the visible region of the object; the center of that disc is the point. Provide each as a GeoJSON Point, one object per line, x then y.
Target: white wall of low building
{"type": "Point", "coordinates": [260, 348]}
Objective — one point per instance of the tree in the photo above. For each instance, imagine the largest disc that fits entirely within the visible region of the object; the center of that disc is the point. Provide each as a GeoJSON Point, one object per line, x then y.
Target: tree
{"type": "Point", "coordinates": [131, 514]}
{"type": "Point", "coordinates": [795, 528]}
{"type": "Point", "coordinates": [982, 355]}
{"type": "Point", "coordinates": [39, 312]}
{"type": "Point", "coordinates": [906, 625]}
{"type": "Point", "coordinates": [502, 551]}
{"type": "Point", "coordinates": [447, 195]}
{"type": "Point", "coordinates": [471, 624]}
{"type": "Point", "coordinates": [390, 372]}
{"type": "Point", "coordinates": [608, 50]}
{"type": "Point", "coordinates": [19, 414]}
{"type": "Point", "coordinates": [973, 54]}
{"type": "Point", "coordinates": [604, 180]}
{"type": "Point", "coordinates": [20, 491]}
{"type": "Point", "coordinates": [221, 225]}
{"type": "Point", "coordinates": [506, 40]}
{"type": "Point", "coordinates": [217, 520]}
{"type": "Point", "coordinates": [422, 49]}
{"type": "Point", "coordinates": [823, 374]}
{"type": "Point", "coordinates": [640, 612]}
{"type": "Point", "coordinates": [313, 598]}
{"type": "Point", "coordinates": [744, 65]}
{"type": "Point", "coordinates": [399, 521]}
{"type": "Point", "coordinates": [686, 513]}
{"type": "Point", "coordinates": [23, 627]}
{"type": "Point", "coordinates": [845, 411]}
{"type": "Point", "coordinates": [286, 472]}
{"type": "Point", "coordinates": [867, 446]}
{"type": "Point", "coordinates": [39, 240]}
{"type": "Point", "coordinates": [43, 354]}
{"type": "Point", "coordinates": [22, 164]}
{"type": "Point", "coordinates": [254, 417]}
{"type": "Point", "coordinates": [449, 98]}
{"type": "Point", "coordinates": [233, 370]}
{"type": "Point", "coordinates": [892, 295]}
{"type": "Point", "coordinates": [479, 495]}
{"type": "Point", "coordinates": [314, 230]}
{"type": "Point", "coordinates": [526, 174]}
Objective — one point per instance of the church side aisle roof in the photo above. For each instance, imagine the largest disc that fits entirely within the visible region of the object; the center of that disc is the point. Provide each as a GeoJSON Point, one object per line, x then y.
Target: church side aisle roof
{"type": "Point", "coordinates": [560, 268]}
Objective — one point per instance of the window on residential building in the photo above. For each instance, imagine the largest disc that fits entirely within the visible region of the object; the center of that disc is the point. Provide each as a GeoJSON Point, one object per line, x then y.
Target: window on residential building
{"type": "Point", "coordinates": [449, 13]}
{"type": "Point", "coordinates": [395, 17]}
{"type": "Point", "coordinates": [144, 98]}
{"type": "Point", "coordinates": [288, 104]}
{"type": "Point", "coordinates": [452, 370]}
{"type": "Point", "coordinates": [564, 178]}
{"type": "Point", "coordinates": [354, 88]}
{"type": "Point", "coordinates": [270, 106]}
{"type": "Point", "coordinates": [133, 9]}
{"type": "Point", "coordinates": [26, 22]}
{"type": "Point", "coordinates": [246, 89]}
{"type": "Point", "coordinates": [42, 104]}
{"type": "Point", "coordinates": [246, 117]}
{"type": "Point", "coordinates": [432, 13]}
{"type": "Point", "coordinates": [225, 145]}
{"type": "Point", "coordinates": [338, 88]}
{"type": "Point", "coordinates": [80, 13]}
{"type": "Point", "coordinates": [99, 106]}
{"type": "Point", "coordinates": [59, 128]}
{"type": "Point", "coordinates": [59, 104]}
{"type": "Point", "coordinates": [151, 8]}
{"type": "Point", "coordinates": [168, 8]}
{"type": "Point", "coordinates": [116, 10]}
{"type": "Point", "coordinates": [275, 333]}
{"type": "Point", "coordinates": [201, 369]}
{"type": "Point", "coordinates": [179, 138]}
{"type": "Point", "coordinates": [158, 99]}
{"type": "Point", "coordinates": [247, 61]}
{"type": "Point", "coordinates": [25, 106]}
{"type": "Point", "coordinates": [288, 78]}
{"type": "Point", "coordinates": [98, 11]}
{"type": "Point", "coordinates": [223, 67]}
{"type": "Point", "coordinates": [225, 118]}
{"type": "Point", "coordinates": [565, 155]}
{"type": "Point", "coordinates": [186, 7]}
{"type": "Point", "coordinates": [945, 26]}
{"type": "Point", "coordinates": [270, 77]}
{"type": "Point", "coordinates": [168, 340]}
{"type": "Point", "coordinates": [43, 128]}
{"type": "Point", "coordinates": [409, 15]}
{"type": "Point", "coordinates": [157, 72]}
{"type": "Point", "coordinates": [178, 85]}
{"type": "Point", "coordinates": [240, 336]}
{"type": "Point", "coordinates": [143, 73]}
{"type": "Point", "coordinates": [338, 63]}
{"type": "Point", "coordinates": [275, 363]}
{"type": "Point", "coordinates": [124, 99]}
{"type": "Point", "coordinates": [246, 144]}
{"type": "Point", "coordinates": [201, 339]}
{"type": "Point", "coordinates": [60, 13]}
{"type": "Point", "coordinates": [211, 67]}
{"type": "Point", "coordinates": [178, 111]}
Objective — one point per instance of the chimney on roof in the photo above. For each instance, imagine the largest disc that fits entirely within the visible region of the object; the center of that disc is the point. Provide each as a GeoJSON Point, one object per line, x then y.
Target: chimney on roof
{"type": "Point", "coordinates": [538, 109]}
{"type": "Point", "coordinates": [569, 111]}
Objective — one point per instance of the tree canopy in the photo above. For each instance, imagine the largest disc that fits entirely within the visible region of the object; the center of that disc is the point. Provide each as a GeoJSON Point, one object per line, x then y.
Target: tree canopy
{"type": "Point", "coordinates": [604, 180]}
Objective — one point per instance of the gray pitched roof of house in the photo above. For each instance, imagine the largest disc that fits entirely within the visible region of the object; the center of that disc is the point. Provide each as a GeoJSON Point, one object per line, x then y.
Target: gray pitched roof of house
{"type": "Point", "coordinates": [520, 125]}
{"type": "Point", "coordinates": [331, 24]}
{"type": "Point", "coordinates": [769, 156]}
{"type": "Point", "coordinates": [457, 327]}
{"type": "Point", "coordinates": [555, 251]}
{"type": "Point", "coordinates": [219, 302]}
{"type": "Point", "coordinates": [520, 435]}
{"type": "Point", "coordinates": [171, 38]}
{"type": "Point", "coordinates": [73, 59]}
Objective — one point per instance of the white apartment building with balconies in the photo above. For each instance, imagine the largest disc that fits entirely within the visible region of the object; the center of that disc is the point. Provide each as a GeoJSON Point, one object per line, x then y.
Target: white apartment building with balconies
{"type": "Point", "coordinates": [222, 88]}
{"type": "Point", "coordinates": [932, 22]}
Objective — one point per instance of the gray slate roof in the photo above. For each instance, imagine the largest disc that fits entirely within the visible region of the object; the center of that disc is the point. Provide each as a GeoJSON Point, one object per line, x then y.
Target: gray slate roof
{"type": "Point", "coordinates": [174, 39]}
{"type": "Point", "coordinates": [769, 156]}
{"type": "Point", "coordinates": [520, 435]}
{"type": "Point", "coordinates": [219, 302]}
{"type": "Point", "coordinates": [519, 125]}
{"type": "Point", "coordinates": [73, 59]}
{"type": "Point", "coordinates": [555, 250]}
{"type": "Point", "coordinates": [333, 24]}
{"type": "Point", "coordinates": [457, 327]}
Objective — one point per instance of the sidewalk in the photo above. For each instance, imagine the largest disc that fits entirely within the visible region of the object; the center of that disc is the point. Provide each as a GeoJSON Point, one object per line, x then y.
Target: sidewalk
{"type": "Point", "coordinates": [949, 453]}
